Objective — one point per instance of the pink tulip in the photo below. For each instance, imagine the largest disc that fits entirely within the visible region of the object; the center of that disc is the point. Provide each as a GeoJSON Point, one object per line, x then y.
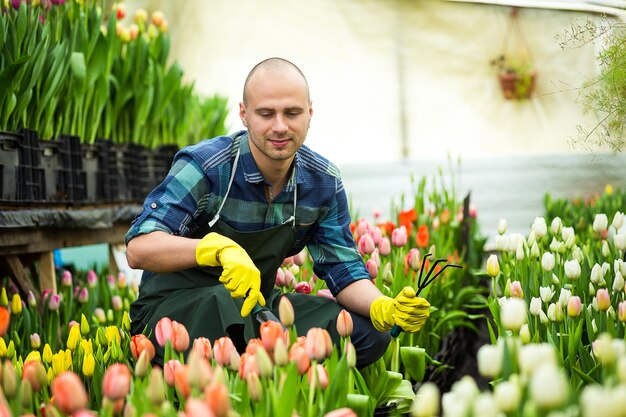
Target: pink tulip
{"type": "Point", "coordinates": [603, 299]}
{"type": "Point", "coordinates": [83, 295]}
{"type": "Point", "coordinates": [574, 306]}
{"type": "Point", "coordinates": [366, 245]}
{"type": "Point", "coordinates": [516, 289]}
{"type": "Point", "coordinates": [413, 259]}
{"type": "Point", "coordinates": [299, 258]}
{"type": "Point", "coordinates": [399, 236]}
{"type": "Point", "coordinates": [318, 344]}
{"type": "Point", "coordinates": [197, 408]}
{"type": "Point", "coordinates": [289, 279]}
{"type": "Point", "coordinates": [321, 376]}
{"type": "Point", "coordinates": [280, 278]}
{"type": "Point", "coordinates": [139, 343]}
{"type": "Point", "coordinates": [621, 311]}
{"type": "Point", "coordinates": [116, 303]}
{"type": "Point", "coordinates": [384, 246]}
{"type": "Point", "coordinates": [116, 381]}
{"type": "Point", "coordinates": [222, 349]}
{"type": "Point", "coordinates": [372, 268]}
{"type": "Point", "coordinates": [202, 345]}
{"type": "Point", "coordinates": [344, 324]}
{"type": "Point", "coordinates": [54, 302]}
{"type": "Point", "coordinates": [303, 287]}
{"type": "Point", "coordinates": [163, 331]}
{"type": "Point", "coordinates": [66, 279]}
{"type": "Point", "coordinates": [376, 234]}
{"type": "Point", "coordinates": [169, 370]}
{"type": "Point", "coordinates": [92, 278]}
{"type": "Point", "coordinates": [362, 228]}
{"type": "Point", "coordinates": [341, 412]}
{"type": "Point", "coordinates": [69, 392]}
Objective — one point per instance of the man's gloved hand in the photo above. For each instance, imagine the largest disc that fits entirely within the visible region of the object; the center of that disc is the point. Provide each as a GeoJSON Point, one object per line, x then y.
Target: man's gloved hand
{"type": "Point", "coordinates": [240, 276]}
{"type": "Point", "coordinates": [406, 310]}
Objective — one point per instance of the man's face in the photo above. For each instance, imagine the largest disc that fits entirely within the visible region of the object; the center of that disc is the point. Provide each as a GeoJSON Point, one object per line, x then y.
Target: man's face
{"type": "Point", "coordinates": [277, 114]}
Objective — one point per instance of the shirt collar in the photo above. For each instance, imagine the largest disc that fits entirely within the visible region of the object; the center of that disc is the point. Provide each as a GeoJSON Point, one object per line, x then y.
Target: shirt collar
{"type": "Point", "coordinates": [251, 170]}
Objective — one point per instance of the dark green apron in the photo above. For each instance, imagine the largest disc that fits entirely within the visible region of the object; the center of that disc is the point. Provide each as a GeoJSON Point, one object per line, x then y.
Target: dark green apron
{"type": "Point", "coordinates": [196, 298]}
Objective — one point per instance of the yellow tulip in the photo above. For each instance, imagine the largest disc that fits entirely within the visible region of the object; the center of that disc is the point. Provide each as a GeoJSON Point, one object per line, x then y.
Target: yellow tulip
{"type": "Point", "coordinates": [126, 322]}
{"type": "Point", "coordinates": [50, 375]}
{"type": "Point", "coordinates": [33, 356]}
{"type": "Point", "coordinates": [74, 337]}
{"type": "Point", "coordinates": [89, 363]}
{"type": "Point", "coordinates": [16, 304]}
{"type": "Point", "coordinates": [47, 354]}
{"type": "Point", "coordinates": [11, 350]}
{"type": "Point", "coordinates": [68, 359]}
{"type": "Point", "coordinates": [3, 348]}
{"type": "Point", "coordinates": [58, 364]}
{"type": "Point", "coordinates": [4, 300]}
{"type": "Point", "coordinates": [86, 346]}
{"type": "Point", "coordinates": [112, 334]}
{"type": "Point", "coordinates": [608, 189]}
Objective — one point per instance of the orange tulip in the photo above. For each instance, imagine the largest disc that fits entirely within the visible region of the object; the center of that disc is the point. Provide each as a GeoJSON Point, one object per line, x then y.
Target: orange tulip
{"type": "Point", "coordinates": [181, 380]}
{"type": "Point", "coordinates": [200, 372]}
{"type": "Point", "coordinates": [180, 337]}
{"type": "Point", "coordinates": [318, 344]}
{"type": "Point", "coordinates": [344, 324]}
{"type": "Point", "coordinates": [69, 392]}
{"type": "Point", "coordinates": [252, 346]}
{"type": "Point", "coordinates": [139, 343]}
{"type": "Point", "coordinates": [35, 374]}
{"type": "Point", "coordinates": [221, 350]}
{"type": "Point", "coordinates": [116, 381]}
{"type": "Point", "coordinates": [297, 354]}
{"type": "Point", "coordinates": [407, 218]}
{"type": "Point", "coordinates": [169, 370]}
{"type": "Point", "coordinates": [248, 365]}
{"type": "Point", "coordinates": [202, 345]}
{"type": "Point", "coordinates": [216, 396]}
{"type": "Point", "coordinates": [421, 239]}
{"type": "Point", "coordinates": [321, 376]}
{"type": "Point", "coordinates": [4, 321]}
{"type": "Point", "coordinates": [197, 408]}
{"type": "Point", "coordinates": [270, 332]}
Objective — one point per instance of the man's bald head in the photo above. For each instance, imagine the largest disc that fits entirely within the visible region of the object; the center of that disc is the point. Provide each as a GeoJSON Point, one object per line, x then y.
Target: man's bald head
{"type": "Point", "coordinates": [273, 65]}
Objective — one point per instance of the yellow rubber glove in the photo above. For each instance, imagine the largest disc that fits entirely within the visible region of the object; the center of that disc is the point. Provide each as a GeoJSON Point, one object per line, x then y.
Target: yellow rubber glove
{"type": "Point", "coordinates": [406, 310]}
{"type": "Point", "coordinates": [240, 276]}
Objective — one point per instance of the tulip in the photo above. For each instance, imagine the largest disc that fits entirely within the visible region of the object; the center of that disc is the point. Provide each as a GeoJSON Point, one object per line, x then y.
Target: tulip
{"type": "Point", "coordinates": [255, 389]}
{"type": "Point", "coordinates": [493, 267]}
{"type": "Point", "coordinates": [516, 289]}
{"type": "Point", "coordinates": [303, 287]}
{"type": "Point", "coordinates": [507, 396]}
{"type": "Point", "coordinates": [222, 349]}
{"type": "Point", "coordinates": [540, 227]}
{"type": "Point", "coordinates": [4, 321]}
{"type": "Point", "coordinates": [169, 369]}
{"type": "Point", "coordinates": [100, 315]}
{"type": "Point", "coordinates": [600, 222]}
{"type": "Point", "coordinates": [4, 300]}
{"type": "Point", "coordinates": [384, 246]}
{"type": "Point", "coordinates": [318, 376]}
{"type": "Point", "coordinates": [157, 18]}
{"type": "Point", "coordinates": [47, 354]}
{"type": "Point", "coordinates": [285, 311]}
{"type": "Point", "coordinates": [372, 268]}
{"type": "Point", "coordinates": [116, 303]}
{"type": "Point", "coordinates": [318, 344]}
{"type": "Point", "coordinates": [180, 337]}
{"type": "Point", "coordinates": [502, 226]}
{"type": "Point", "coordinates": [549, 388]}
{"type": "Point", "coordinates": [546, 294]}
{"type": "Point", "coordinates": [547, 261]}
{"type": "Point", "coordinates": [69, 393]}
{"type": "Point", "coordinates": [54, 302]}
{"type": "Point", "coordinates": [399, 236]}
{"type": "Point", "coordinates": [35, 373]}
{"type": "Point", "coordinates": [35, 341]}
{"type": "Point", "coordinates": [16, 304]}
{"type": "Point", "coordinates": [366, 245]}
{"type": "Point", "coordinates": [112, 334]}
{"type": "Point", "coordinates": [513, 314]}
{"type": "Point", "coordinates": [217, 398]}
{"type": "Point", "coordinates": [603, 299]}
{"type": "Point", "coordinates": [426, 402]}
{"type": "Point", "coordinates": [524, 333]}
{"type": "Point", "coordinates": [344, 324]}
{"type": "Point", "coordinates": [74, 337]}
{"type": "Point", "coordinates": [535, 306]}
{"type": "Point", "coordinates": [66, 279]}
{"type": "Point", "coordinates": [89, 364]}
{"type": "Point", "coordinates": [621, 311]}
{"type": "Point", "coordinates": [604, 349]}
{"type": "Point", "coordinates": [350, 355]}
{"type": "Point", "coordinates": [572, 269]}
{"type": "Point", "coordinates": [270, 332]}
{"type": "Point", "coordinates": [620, 240]}
{"type": "Point", "coordinates": [163, 331]}
{"type": "Point", "coordinates": [485, 405]}
{"type": "Point", "coordinates": [298, 354]}
{"type": "Point", "coordinates": [341, 412]}
{"type": "Point", "coordinates": [489, 359]}
{"type": "Point", "coordinates": [202, 345]}
{"type": "Point", "coordinates": [519, 252]}
{"type": "Point", "coordinates": [574, 306]}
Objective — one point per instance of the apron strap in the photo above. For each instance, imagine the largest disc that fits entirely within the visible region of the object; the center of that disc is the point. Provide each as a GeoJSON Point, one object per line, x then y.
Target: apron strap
{"type": "Point", "coordinates": [230, 182]}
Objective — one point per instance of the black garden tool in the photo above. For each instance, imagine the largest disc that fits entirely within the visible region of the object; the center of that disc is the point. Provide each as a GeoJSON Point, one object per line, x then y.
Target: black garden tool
{"type": "Point", "coordinates": [263, 314]}
{"type": "Point", "coordinates": [423, 282]}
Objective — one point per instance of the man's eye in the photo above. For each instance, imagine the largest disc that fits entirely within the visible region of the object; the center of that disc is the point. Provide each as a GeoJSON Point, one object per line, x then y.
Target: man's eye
{"type": "Point", "coordinates": [292, 114]}
{"type": "Point", "coordinates": [266, 115]}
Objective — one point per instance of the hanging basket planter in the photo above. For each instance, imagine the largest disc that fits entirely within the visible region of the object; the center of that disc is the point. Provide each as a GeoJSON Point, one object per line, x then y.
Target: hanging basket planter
{"type": "Point", "coordinates": [517, 85]}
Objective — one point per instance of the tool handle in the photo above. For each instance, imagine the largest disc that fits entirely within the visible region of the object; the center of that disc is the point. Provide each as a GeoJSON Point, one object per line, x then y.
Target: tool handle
{"type": "Point", "coordinates": [395, 330]}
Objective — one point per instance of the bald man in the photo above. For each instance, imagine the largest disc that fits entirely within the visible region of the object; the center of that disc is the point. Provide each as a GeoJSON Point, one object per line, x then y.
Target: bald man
{"type": "Point", "coordinates": [212, 235]}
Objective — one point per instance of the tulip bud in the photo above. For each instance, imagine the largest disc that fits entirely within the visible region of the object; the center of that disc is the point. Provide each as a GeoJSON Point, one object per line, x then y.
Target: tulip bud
{"type": "Point", "coordinates": [540, 227]}
{"type": "Point", "coordinates": [535, 306]}
{"type": "Point", "coordinates": [606, 251]}
{"type": "Point", "coordinates": [572, 269]}
{"type": "Point", "coordinates": [547, 261]}
{"type": "Point", "coordinates": [74, 337]}
{"type": "Point", "coordinates": [516, 289]}
{"type": "Point", "coordinates": [603, 299]}
{"type": "Point", "coordinates": [285, 311]}
{"type": "Point", "coordinates": [507, 396]}
{"type": "Point", "coordinates": [489, 360]}
{"type": "Point", "coordinates": [574, 306]}
{"type": "Point", "coordinates": [255, 390]}
{"type": "Point", "coordinates": [66, 279]}
{"type": "Point", "coordinates": [350, 355]}
{"type": "Point", "coordinates": [89, 364]}
{"type": "Point", "coordinates": [502, 226]}
{"type": "Point", "coordinates": [519, 252]}
{"type": "Point", "coordinates": [303, 287]}
{"type": "Point", "coordinates": [281, 355]}
{"type": "Point", "coordinates": [600, 223]}
{"type": "Point", "coordinates": [9, 380]}
{"type": "Point", "coordinates": [384, 246]}
{"type": "Point", "coordinates": [524, 333]}
{"type": "Point", "coordinates": [92, 278]}
{"type": "Point", "coordinates": [534, 251]}
{"type": "Point", "coordinates": [399, 236]}
{"type": "Point", "coordinates": [620, 240]}
{"type": "Point", "coordinates": [546, 294]}
{"type": "Point", "coordinates": [549, 388]}
{"type": "Point", "coordinates": [427, 401]}
{"type": "Point", "coordinates": [556, 225]}
{"type": "Point", "coordinates": [4, 300]}
{"type": "Point", "coordinates": [54, 302]}
{"type": "Point", "coordinates": [344, 324]}
{"type": "Point", "coordinates": [387, 273]}
{"type": "Point", "coordinates": [621, 311]}
{"type": "Point", "coordinates": [493, 267]}
{"type": "Point", "coordinates": [156, 390]}
{"type": "Point", "coordinates": [372, 268]}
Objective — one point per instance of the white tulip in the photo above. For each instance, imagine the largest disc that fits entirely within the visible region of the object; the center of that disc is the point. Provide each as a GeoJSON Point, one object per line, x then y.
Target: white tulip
{"type": "Point", "coordinates": [596, 274]}
{"type": "Point", "coordinates": [513, 314]}
{"type": "Point", "coordinates": [535, 355]}
{"type": "Point", "coordinates": [531, 238]}
{"type": "Point", "coordinates": [524, 333]}
{"type": "Point", "coordinates": [594, 326]}
{"type": "Point", "coordinates": [567, 234]}
{"type": "Point", "coordinates": [618, 400]}
{"type": "Point", "coordinates": [564, 296]}
{"type": "Point", "coordinates": [552, 312]}
{"type": "Point", "coordinates": [620, 240]}
{"type": "Point", "coordinates": [548, 387]}
{"type": "Point", "coordinates": [539, 227]}
{"type": "Point", "coordinates": [519, 252]}
{"type": "Point", "coordinates": [453, 405]}
{"type": "Point", "coordinates": [534, 251]}
{"type": "Point", "coordinates": [543, 318]}
{"type": "Point", "coordinates": [502, 242]}
{"type": "Point", "coordinates": [621, 370]}
{"type": "Point", "coordinates": [618, 220]}
{"type": "Point", "coordinates": [555, 279]}
{"type": "Point", "coordinates": [535, 306]}
{"type": "Point", "coordinates": [489, 359]}
{"type": "Point", "coordinates": [556, 225]}
{"type": "Point", "coordinates": [596, 401]}
{"type": "Point", "coordinates": [502, 226]}
{"type": "Point", "coordinates": [514, 240]}
{"type": "Point", "coordinates": [606, 251]}
{"type": "Point", "coordinates": [554, 245]}
{"type": "Point", "coordinates": [546, 294]}
{"type": "Point", "coordinates": [485, 405]}
{"type": "Point", "coordinates": [603, 349]}
{"type": "Point", "coordinates": [466, 388]}
{"type": "Point", "coordinates": [507, 395]}
{"type": "Point", "coordinates": [426, 402]}
{"type": "Point", "coordinates": [493, 267]}
{"type": "Point", "coordinates": [618, 282]}
{"type": "Point", "coordinates": [606, 267]}
{"type": "Point", "coordinates": [547, 261]}
{"type": "Point", "coordinates": [572, 269]}
{"type": "Point", "coordinates": [600, 222]}
{"type": "Point", "coordinates": [578, 254]}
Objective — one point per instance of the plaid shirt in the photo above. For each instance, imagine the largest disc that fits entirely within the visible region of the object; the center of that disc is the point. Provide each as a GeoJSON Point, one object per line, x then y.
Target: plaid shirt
{"type": "Point", "coordinates": [193, 190]}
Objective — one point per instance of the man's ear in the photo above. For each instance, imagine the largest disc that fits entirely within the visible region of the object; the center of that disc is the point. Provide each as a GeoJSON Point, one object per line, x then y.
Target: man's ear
{"type": "Point", "coordinates": [242, 114]}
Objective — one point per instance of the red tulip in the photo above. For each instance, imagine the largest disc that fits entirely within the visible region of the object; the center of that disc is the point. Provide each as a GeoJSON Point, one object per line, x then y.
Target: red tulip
{"type": "Point", "coordinates": [69, 392]}
{"type": "Point", "coordinates": [421, 239]}
{"type": "Point", "coordinates": [303, 287]}
{"type": "Point", "coordinates": [139, 343]}
{"type": "Point", "coordinates": [116, 381]}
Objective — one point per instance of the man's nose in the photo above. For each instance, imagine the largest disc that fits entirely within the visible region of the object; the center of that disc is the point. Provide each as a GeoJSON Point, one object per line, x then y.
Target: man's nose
{"type": "Point", "coordinates": [279, 124]}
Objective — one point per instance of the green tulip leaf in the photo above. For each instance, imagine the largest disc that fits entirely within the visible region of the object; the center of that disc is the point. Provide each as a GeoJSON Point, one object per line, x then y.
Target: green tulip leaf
{"type": "Point", "coordinates": [414, 361]}
{"type": "Point", "coordinates": [361, 404]}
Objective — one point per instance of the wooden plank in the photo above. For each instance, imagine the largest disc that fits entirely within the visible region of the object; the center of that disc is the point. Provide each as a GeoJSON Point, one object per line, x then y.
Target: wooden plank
{"type": "Point", "coordinates": [47, 273]}
{"type": "Point", "coordinates": [113, 268]}
{"type": "Point", "coordinates": [20, 241]}
{"type": "Point", "coordinates": [21, 276]}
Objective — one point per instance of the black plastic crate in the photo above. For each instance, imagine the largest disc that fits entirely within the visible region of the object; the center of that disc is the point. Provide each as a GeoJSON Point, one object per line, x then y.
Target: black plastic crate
{"type": "Point", "coordinates": [30, 176]}
{"type": "Point", "coordinates": [9, 161]}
